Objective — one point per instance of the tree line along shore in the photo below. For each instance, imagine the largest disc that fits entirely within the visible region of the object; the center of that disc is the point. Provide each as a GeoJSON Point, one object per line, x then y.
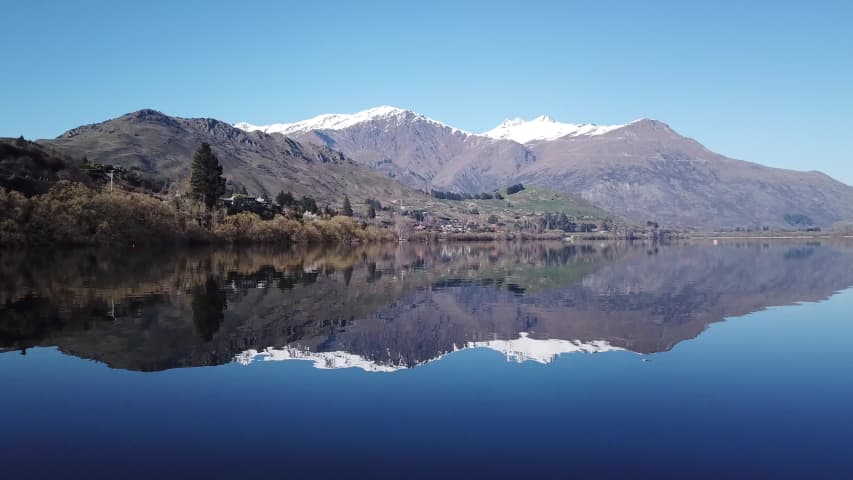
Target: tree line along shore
{"type": "Point", "coordinates": [45, 208]}
{"type": "Point", "coordinates": [74, 214]}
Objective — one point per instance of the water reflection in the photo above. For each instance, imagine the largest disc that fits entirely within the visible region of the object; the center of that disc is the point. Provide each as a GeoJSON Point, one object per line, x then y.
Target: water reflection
{"type": "Point", "coordinates": [208, 306]}
{"type": "Point", "coordinates": [383, 308]}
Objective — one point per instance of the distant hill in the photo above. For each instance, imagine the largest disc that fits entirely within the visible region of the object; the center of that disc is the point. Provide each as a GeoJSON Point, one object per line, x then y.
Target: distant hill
{"type": "Point", "coordinates": [31, 168]}
{"type": "Point", "coordinates": [642, 170]}
{"type": "Point", "coordinates": [162, 147]}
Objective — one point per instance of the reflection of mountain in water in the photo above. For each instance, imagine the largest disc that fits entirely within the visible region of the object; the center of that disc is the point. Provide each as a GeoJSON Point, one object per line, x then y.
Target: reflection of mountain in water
{"type": "Point", "coordinates": [384, 308]}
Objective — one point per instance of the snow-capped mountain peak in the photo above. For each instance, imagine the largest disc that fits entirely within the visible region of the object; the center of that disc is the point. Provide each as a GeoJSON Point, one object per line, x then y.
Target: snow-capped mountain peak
{"type": "Point", "coordinates": [340, 121]}
{"type": "Point", "coordinates": [541, 128]}
{"type": "Point", "coordinates": [544, 128]}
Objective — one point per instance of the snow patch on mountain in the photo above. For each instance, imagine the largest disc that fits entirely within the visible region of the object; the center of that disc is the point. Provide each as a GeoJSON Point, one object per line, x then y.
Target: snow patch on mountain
{"type": "Point", "coordinates": [525, 349]}
{"type": "Point", "coordinates": [321, 360]}
{"type": "Point", "coordinates": [389, 116]}
{"type": "Point", "coordinates": [544, 128]}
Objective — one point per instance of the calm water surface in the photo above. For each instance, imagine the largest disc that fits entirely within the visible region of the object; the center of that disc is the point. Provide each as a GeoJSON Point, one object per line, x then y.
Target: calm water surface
{"type": "Point", "coordinates": [459, 360]}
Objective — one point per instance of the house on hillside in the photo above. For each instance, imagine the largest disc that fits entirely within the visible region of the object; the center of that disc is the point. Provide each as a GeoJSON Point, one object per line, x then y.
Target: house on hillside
{"type": "Point", "coordinates": [237, 203]}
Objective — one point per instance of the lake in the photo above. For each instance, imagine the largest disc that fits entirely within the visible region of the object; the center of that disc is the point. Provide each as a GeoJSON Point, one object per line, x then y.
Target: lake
{"type": "Point", "coordinates": [696, 360]}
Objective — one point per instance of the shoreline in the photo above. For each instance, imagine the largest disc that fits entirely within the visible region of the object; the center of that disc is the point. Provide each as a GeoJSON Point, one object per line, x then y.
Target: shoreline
{"type": "Point", "coordinates": [771, 236]}
{"type": "Point", "coordinates": [458, 238]}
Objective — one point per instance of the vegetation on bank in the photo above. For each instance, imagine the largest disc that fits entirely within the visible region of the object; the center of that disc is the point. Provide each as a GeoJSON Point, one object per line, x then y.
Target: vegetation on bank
{"type": "Point", "coordinates": [62, 202]}
{"type": "Point", "coordinates": [249, 228]}
{"type": "Point", "coordinates": [73, 214]}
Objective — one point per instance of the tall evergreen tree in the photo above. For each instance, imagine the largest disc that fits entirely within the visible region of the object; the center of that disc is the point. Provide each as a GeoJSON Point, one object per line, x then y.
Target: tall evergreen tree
{"type": "Point", "coordinates": [309, 205]}
{"type": "Point", "coordinates": [285, 199]}
{"type": "Point", "coordinates": [206, 180]}
{"type": "Point", "coordinates": [347, 207]}
{"type": "Point", "coordinates": [371, 212]}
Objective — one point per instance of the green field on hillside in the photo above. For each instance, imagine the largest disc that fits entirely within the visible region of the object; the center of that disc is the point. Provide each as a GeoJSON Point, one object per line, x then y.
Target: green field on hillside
{"type": "Point", "coordinates": [528, 203]}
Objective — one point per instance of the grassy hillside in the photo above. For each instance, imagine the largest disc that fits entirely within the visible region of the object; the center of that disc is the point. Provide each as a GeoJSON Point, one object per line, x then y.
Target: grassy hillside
{"type": "Point", "coordinates": [512, 210]}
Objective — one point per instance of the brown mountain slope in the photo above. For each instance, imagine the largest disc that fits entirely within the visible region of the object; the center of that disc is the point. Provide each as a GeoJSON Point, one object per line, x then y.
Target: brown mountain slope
{"type": "Point", "coordinates": [647, 171]}
{"type": "Point", "coordinates": [162, 146]}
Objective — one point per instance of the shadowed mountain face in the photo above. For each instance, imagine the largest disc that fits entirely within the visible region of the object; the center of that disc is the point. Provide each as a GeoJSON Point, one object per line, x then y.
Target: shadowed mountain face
{"type": "Point", "coordinates": [386, 308]}
{"type": "Point", "coordinates": [162, 147]}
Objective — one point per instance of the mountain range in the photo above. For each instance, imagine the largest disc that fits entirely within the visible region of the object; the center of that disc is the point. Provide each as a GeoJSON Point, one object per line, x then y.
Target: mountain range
{"type": "Point", "coordinates": [641, 171]}
{"type": "Point", "coordinates": [416, 150]}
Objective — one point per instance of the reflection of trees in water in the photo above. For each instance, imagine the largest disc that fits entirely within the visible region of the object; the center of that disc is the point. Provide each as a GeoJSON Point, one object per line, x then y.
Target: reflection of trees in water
{"type": "Point", "coordinates": [348, 275]}
{"type": "Point", "coordinates": [372, 273]}
{"type": "Point", "coordinates": [297, 276]}
{"type": "Point", "coordinates": [208, 304]}
{"type": "Point", "coordinates": [61, 275]}
{"type": "Point", "coordinates": [799, 253]}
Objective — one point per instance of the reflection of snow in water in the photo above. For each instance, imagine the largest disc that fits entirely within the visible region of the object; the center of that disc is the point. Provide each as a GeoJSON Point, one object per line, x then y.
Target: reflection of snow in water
{"type": "Point", "coordinates": [322, 360]}
{"type": "Point", "coordinates": [525, 349]}
{"type": "Point", "coordinates": [521, 349]}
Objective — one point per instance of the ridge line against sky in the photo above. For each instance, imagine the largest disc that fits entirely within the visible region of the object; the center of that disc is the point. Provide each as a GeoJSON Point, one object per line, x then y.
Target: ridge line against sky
{"type": "Point", "coordinates": [768, 82]}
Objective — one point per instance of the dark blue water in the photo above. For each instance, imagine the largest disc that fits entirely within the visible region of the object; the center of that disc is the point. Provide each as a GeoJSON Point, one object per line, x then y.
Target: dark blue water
{"type": "Point", "coordinates": [732, 361]}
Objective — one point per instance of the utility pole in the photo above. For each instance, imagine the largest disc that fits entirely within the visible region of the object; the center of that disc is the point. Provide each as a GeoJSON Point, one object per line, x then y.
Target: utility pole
{"type": "Point", "coordinates": [111, 174]}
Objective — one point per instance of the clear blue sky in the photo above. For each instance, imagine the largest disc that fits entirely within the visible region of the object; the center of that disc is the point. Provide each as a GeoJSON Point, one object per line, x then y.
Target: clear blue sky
{"type": "Point", "coordinates": [768, 81]}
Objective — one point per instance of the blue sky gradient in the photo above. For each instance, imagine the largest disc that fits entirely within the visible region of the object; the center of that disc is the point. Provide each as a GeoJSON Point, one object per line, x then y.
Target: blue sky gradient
{"type": "Point", "coordinates": [770, 82]}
